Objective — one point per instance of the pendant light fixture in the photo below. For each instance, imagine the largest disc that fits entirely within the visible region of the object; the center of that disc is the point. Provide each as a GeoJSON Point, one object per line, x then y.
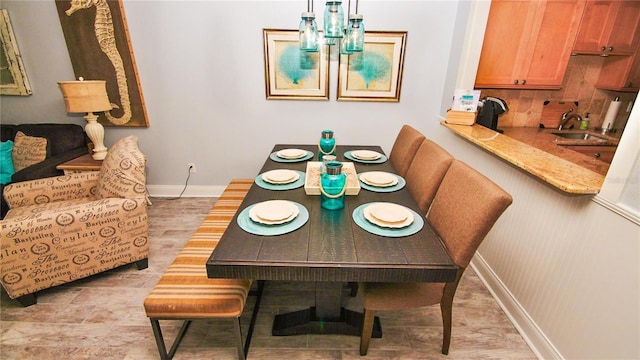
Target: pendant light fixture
{"type": "Point", "coordinates": [333, 20]}
{"type": "Point", "coordinates": [308, 28]}
{"type": "Point", "coordinates": [351, 37]}
{"type": "Point", "coordinates": [355, 32]}
{"type": "Point", "coordinates": [343, 41]}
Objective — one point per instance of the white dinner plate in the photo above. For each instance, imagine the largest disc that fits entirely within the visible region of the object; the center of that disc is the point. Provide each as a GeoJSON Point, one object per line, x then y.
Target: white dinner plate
{"type": "Point", "coordinates": [274, 212]}
{"type": "Point", "coordinates": [379, 178]}
{"type": "Point", "coordinates": [291, 153]}
{"type": "Point", "coordinates": [366, 154]}
{"type": "Point", "coordinates": [389, 215]}
{"type": "Point", "coordinates": [280, 176]}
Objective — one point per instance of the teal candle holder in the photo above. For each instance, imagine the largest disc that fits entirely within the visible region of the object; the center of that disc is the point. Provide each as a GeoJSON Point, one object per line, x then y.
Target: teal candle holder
{"type": "Point", "coordinates": [327, 144]}
{"type": "Point", "coordinates": [333, 184]}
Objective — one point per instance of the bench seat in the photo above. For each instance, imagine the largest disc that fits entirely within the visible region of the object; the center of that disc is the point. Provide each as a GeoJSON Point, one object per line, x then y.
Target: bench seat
{"type": "Point", "coordinates": [186, 293]}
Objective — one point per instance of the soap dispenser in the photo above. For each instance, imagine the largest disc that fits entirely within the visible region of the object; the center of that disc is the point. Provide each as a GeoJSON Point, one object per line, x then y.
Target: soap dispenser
{"type": "Point", "coordinates": [584, 124]}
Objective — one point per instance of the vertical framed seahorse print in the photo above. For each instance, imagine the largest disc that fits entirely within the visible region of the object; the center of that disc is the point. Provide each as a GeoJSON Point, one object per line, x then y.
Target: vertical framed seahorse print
{"type": "Point", "coordinates": [98, 42]}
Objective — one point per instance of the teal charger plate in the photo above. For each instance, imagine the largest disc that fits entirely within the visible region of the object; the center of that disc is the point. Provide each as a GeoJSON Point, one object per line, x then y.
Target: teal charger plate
{"type": "Point", "coordinates": [384, 189]}
{"type": "Point", "coordinates": [274, 156]}
{"type": "Point", "coordinates": [416, 225]}
{"type": "Point", "coordinates": [379, 160]}
{"type": "Point", "coordinates": [252, 227]}
{"type": "Point", "coordinates": [289, 186]}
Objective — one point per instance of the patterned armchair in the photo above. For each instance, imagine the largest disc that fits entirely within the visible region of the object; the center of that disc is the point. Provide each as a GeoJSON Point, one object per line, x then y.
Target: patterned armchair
{"type": "Point", "coordinates": [64, 228]}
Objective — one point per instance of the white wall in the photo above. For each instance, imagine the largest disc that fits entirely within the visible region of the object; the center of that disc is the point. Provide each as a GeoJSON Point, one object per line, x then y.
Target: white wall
{"type": "Point", "coordinates": [202, 75]}
{"type": "Point", "coordinates": [565, 269]}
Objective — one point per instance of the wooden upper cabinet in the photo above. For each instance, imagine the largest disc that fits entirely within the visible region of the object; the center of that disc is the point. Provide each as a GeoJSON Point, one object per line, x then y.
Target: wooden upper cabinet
{"type": "Point", "coordinates": [527, 44]}
{"type": "Point", "coordinates": [609, 27]}
{"type": "Point", "coordinates": [620, 73]}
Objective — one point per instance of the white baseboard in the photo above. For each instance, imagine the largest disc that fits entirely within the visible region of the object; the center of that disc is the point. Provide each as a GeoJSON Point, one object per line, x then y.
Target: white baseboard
{"type": "Point", "coordinates": [532, 334]}
{"type": "Point", "coordinates": [191, 191]}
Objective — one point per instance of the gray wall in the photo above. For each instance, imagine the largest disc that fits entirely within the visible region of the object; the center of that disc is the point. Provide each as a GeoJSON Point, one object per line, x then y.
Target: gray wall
{"type": "Point", "coordinates": [201, 68]}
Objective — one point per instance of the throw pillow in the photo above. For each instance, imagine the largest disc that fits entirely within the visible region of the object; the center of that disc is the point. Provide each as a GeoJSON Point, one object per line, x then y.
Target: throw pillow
{"type": "Point", "coordinates": [6, 163]}
{"type": "Point", "coordinates": [122, 174]}
{"type": "Point", "coordinates": [28, 150]}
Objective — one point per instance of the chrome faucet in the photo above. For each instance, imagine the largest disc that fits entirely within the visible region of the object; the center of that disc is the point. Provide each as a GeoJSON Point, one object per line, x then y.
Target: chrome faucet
{"type": "Point", "coordinates": [566, 118]}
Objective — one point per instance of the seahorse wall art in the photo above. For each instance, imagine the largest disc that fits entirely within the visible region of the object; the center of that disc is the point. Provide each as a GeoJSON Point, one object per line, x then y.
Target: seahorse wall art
{"type": "Point", "coordinates": [105, 36]}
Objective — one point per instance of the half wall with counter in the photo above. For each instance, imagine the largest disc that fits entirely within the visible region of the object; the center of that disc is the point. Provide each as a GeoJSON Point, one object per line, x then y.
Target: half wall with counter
{"type": "Point", "coordinates": [562, 174]}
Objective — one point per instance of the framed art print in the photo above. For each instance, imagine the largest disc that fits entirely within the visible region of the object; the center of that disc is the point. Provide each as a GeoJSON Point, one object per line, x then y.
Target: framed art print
{"type": "Point", "coordinates": [13, 77]}
{"type": "Point", "coordinates": [375, 74]}
{"type": "Point", "coordinates": [293, 74]}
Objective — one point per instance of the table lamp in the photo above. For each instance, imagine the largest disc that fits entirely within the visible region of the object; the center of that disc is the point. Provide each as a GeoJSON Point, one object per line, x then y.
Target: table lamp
{"type": "Point", "coordinates": [88, 96]}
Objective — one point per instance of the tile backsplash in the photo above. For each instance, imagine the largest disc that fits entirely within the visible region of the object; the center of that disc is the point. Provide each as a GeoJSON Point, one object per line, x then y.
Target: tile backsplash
{"type": "Point", "coordinates": [526, 106]}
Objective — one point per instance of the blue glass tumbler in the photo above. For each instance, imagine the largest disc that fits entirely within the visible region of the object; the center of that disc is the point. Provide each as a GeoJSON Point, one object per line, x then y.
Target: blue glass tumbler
{"type": "Point", "coordinates": [327, 144]}
{"type": "Point", "coordinates": [333, 184]}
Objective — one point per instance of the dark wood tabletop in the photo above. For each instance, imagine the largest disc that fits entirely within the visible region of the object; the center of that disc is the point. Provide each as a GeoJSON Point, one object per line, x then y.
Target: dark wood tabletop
{"type": "Point", "coordinates": [330, 249]}
{"type": "Point", "coordinates": [330, 246]}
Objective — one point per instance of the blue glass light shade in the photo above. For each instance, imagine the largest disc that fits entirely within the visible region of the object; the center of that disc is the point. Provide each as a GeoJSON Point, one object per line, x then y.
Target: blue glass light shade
{"type": "Point", "coordinates": [355, 33]}
{"type": "Point", "coordinates": [343, 45]}
{"type": "Point", "coordinates": [308, 32]}
{"type": "Point", "coordinates": [333, 185]}
{"type": "Point", "coordinates": [333, 20]}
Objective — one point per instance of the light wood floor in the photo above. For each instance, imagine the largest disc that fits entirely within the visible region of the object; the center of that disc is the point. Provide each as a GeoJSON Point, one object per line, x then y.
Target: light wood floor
{"type": "Point", "coordinates": [102, 317]}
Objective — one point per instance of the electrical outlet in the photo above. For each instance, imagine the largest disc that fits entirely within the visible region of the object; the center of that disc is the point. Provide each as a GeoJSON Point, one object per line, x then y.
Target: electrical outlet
{"type": "Point", "coordinates": [192, 168]}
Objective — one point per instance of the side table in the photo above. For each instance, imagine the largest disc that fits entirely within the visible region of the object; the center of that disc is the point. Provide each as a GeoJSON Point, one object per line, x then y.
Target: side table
{"type": "Point", "coordinates": [80, 164]}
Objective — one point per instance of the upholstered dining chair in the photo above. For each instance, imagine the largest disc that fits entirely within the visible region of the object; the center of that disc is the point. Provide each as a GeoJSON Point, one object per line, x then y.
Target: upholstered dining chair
{"type": "Point", "coordinates": [465, 208]}
{"type": "Point", "coordinates": [426, 171]}
{"type": "Point", "coordinates": [404, 148]}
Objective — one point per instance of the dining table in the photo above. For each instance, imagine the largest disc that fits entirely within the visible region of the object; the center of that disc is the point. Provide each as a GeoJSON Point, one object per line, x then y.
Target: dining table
{"type": "Point", "coordinates": [329, 247]}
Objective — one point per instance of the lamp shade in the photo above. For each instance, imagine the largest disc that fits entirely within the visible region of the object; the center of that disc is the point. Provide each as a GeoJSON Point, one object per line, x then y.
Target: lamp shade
{"type": "Point", "coordinates": [85, 96]}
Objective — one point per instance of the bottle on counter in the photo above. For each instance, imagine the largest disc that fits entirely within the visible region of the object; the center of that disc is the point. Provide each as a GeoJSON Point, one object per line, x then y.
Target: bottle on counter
{"type": "Point", "coordinates": [584, 124]}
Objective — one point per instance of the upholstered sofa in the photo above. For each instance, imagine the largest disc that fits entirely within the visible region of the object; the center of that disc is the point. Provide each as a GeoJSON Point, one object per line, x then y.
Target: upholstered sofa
{"type": "Point", "coordinates": [64, 228]}
{"type": "Point", "coordinates": [62, 142]}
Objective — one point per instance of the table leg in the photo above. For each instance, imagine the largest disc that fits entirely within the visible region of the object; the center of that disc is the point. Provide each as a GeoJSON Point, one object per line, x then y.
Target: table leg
{"type": "Point", "coordinates": [327, 317]}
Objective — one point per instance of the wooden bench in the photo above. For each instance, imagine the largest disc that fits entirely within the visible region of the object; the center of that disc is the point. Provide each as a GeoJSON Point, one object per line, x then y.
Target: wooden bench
{"type": "Point", "coordinates": [186, 293]}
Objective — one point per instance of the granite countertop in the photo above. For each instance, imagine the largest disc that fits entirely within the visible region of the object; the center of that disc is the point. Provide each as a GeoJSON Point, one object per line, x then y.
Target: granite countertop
{"type": "Point", "coordinates": [537, 152]}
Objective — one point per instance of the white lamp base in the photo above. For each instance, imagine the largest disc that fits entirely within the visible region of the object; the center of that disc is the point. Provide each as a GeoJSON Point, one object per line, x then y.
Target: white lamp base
{"type": "Point", "coordinates": [95, 131]}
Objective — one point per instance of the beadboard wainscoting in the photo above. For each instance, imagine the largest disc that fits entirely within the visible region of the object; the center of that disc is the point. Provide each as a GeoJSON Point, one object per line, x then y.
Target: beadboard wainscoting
{"type": "Point", "coordinates": [554, 263]}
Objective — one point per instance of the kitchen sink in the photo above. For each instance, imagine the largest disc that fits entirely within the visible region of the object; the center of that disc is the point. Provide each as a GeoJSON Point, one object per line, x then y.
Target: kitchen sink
{"type": "Point", "coordinates": [579, 136]}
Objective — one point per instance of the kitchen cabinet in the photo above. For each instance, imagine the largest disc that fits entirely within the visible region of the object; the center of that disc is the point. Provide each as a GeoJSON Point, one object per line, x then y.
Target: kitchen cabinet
{"type": "Point", "coordinates": [609, 27]}
{"type": "Point", "coordinates": [602, 153]}
{"type": "Point", "coordinates": [527, 44]}
{"type": "Point", "coordinates": [620, 73]}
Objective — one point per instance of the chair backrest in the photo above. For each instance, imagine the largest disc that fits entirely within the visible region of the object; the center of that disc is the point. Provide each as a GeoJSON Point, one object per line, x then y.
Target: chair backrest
{"type": "Point", "coordinates": [465, 207]}
{"type": "Point", "coordinates": [404, 148]}
{"type": "Point", "coordinates": [426, 172]}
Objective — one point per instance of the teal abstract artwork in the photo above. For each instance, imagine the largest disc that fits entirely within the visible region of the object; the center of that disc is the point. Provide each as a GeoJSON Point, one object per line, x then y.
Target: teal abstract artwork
{"type": "Point", "coordinates": [371, 66]}
{"type": "Point", "coordinates": [296, 65]}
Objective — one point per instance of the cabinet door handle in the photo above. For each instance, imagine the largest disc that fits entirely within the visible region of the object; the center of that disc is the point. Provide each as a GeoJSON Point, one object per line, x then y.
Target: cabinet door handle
{"type": "Point", "coordinates": [629, 84]}
{"type": "Point", "coordinates": [603, 48]}
{"type": "Point", "coordinates": [515, 82]}
{"type": "Point", "coordinates": [524, 82]}
{"type": "Point", "coordinates": [610, 48]}
{"type": "Point", "coordinates": [596, 155]}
